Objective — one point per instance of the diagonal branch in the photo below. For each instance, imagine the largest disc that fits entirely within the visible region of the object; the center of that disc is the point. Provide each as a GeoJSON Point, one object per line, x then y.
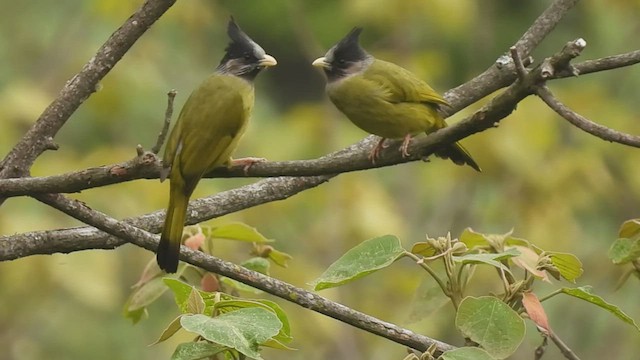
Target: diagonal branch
{"type": "Point", "coordinates": [270, 285]}
{"type": "Point", "coordinates": [83, 238]}
{"type": "Point", "coordinates": [38, 139]}
{"type": "Point", "coordinates": [502, 72]}
{"type": "Point", "coordinates": [148, 167]}
{"type": "Point", "coordinates": [585, 124]}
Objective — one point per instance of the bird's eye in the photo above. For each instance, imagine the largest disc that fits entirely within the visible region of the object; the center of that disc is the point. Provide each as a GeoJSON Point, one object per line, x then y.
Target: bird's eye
{"type": "Point", "coordinates": [247, 56]}
{"type": "Point", "coordinates": [341, 61]}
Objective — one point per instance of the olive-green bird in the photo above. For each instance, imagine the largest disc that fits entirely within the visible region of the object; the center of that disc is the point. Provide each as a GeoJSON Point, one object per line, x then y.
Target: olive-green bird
{"type": "Point", "coordinates": [384, 99]}
{"type": "Point", "coordinates": [207, 132]}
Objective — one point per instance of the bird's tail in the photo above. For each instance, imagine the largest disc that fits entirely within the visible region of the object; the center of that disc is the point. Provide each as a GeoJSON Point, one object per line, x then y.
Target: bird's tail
{"type": "Point", "coordinates": [169, 247]}
{"type": "Point", "coordinates": [458, 154]}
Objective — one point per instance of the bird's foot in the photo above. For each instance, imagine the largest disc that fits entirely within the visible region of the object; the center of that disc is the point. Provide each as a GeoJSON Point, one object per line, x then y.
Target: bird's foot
{"type": "Point", "coordinates": [405, 145]}
{"type": "Point", "coordinates": [375, 152]}
{"type": "Point", "coordinates": [246, 163]}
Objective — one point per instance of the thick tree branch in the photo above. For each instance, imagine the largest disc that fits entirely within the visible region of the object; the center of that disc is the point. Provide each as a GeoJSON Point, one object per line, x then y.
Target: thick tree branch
{"type": "Point", "coordinates": [585, 124]}
{"type": "Point", "coordinates": [85, 238]}
{"type": "Point", "coordinates": [270, 285]}
{"type": "Point", "coordinates": [148, 167]}
{"type": "Point", "coordinates": [38, 139]}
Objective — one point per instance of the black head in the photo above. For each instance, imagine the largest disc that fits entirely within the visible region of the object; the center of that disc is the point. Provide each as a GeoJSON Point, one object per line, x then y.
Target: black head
{"type": "Point", "coordinates": [345, 58]}
{"type": "Point", "coordinates": [243, 57]}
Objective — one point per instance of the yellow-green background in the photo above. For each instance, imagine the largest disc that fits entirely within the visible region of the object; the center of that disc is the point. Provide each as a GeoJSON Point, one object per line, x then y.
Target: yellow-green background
{"type": "Point", "coordinates": [555, 185]}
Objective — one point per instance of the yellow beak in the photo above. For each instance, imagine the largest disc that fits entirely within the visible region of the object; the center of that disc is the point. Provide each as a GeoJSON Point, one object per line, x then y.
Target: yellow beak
{"type": "Point", "coordinates": [321, 62]}
{"type": "Point", "coordinates": [267, 60]}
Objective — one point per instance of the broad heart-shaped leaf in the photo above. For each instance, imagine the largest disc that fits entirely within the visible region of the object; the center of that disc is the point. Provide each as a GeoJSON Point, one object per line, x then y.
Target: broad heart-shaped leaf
{"type": "Point", "coordinates": [630, 229]}
{"type": "Point", "coordinates": [488, 258]}
{"type": "Point", "coordinates": [243, 330]}
{"type": "Point", "coordinates": [624, 250]}
{"type": "Point", "coordinates": [369, 256]}
{"type": "Point", "coordinates": [492, 324]}
{"type": "Point", "coordinates": [569, 265]}
{"type": "Point", "coordinates": [235, 231]}
{"type": "Point", "coordinates": [196, 351]}
{"type": "Point", "coordinates": [584, 293]}
{"type": "Point", "coordinates": [466, 353]}
{"type": "Point", "coordinates": [225, 306]}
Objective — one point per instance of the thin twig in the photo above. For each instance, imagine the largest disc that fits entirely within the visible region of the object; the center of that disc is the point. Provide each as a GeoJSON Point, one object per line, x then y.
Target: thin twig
{"type": "Point", "coordinates": [171, 95]}
{"type": "Point", "coordinates": [520, 69]}
{"type": "Point", "coordinates": [585, 124]}
{"type": "Point", "coordinates": [270, 285]}
{"type": "Point", "coordinates": [564, 349]}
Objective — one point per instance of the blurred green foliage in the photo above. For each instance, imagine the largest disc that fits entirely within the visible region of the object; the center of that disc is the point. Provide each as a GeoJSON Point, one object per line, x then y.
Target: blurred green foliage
{"type": "Point", "coordinates": [554, 184]}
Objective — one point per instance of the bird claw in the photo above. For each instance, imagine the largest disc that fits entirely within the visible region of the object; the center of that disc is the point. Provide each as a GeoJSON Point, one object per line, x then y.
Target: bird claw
{"type": "Point", "coordinates": [375, 152]}
{"type": "Point", "coordinates": [247, 163]}
{"type": "Point", "coordinates": [405, 146]}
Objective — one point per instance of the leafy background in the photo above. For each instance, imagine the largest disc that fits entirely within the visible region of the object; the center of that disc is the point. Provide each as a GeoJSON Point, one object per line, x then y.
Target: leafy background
{"type": "Point", "coordinates": [553, 184]}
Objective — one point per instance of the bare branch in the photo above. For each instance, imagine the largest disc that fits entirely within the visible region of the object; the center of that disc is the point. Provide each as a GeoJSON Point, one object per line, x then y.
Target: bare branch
{"type": "Point", "coordinates": [171, 95]}
{"type": "Point", "coordinates": [585, 124]}
{"type": "Point", "coordinates": [561, 62]}
{"type": "Point", "coordinates": [83, 238]}
{"type": "Point", "coordinates": [564, 349]}
{"type": "Point", "coordinates": [502, 74]}
{"type": "Point", "coordinates": [38, 139]}
{"type": "Point", "coordinates": [605, 63]}
{"type": "Point", "coordinates": [543, 25]}
{"type": "Point", "coordinates": [270, 285]}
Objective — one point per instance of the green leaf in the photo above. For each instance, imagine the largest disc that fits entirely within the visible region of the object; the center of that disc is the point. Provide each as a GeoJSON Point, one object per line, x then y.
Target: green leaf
{"type": "Point", "coordinates": [136, 315]}
{"type": "Point", "coordinates": [195, 302]}
{"type": "Point", "coordinates": [425, 249]}
{"type": "Point", "coordinates": [473, 239]}
{"type": "Point", "coordinates": [258, 264]}
{"type": "Point", "coordinates": [243, 330]}
{"type": "Point", "coordinates": [196, 351]}
{"type": "Point", "coordinates": [630, 229]}
{"type": "Point", "coordinates": [277, 344]}
{"type": "Point", "coordinates": [173, 328]}
{"type": "Point", "coordinates": [233, 304]}
{"type": "Point", "coordinates": [285, 332]}
{"type": "Point", "coordinates": [488, 258]}
{"type": "Point", "coordinates": [181, 292]}
{"type": "Point", "coordinates": [236, 231]}
{"type": "Point", "coordinates": [367, 257]}
{"type": "Point", "coordinates": [466, 353]}
{"type": "Point", "coordinates": [279, 258]}
{"type": "Point", "coordinates": [146, 294]}
{"type": "Point", "coordinates": [569, 265]}
{"type": "Point", "coordinates": [428, 298]}
{"type": "Point", "coordinates": [492, 324]}
{"type": "Point", "coordinates": [584, 293]}
{"type": "Point", "coordinates": [143, 296]}
{"type": "Point", "coordinates": [624, 250]}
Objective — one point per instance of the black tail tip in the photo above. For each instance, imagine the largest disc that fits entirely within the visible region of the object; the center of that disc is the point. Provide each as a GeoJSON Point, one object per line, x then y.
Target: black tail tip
{"type": "Point", "coordinates": [167, 260]}
{"type": "Point", "coordinates": [458, 155]}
